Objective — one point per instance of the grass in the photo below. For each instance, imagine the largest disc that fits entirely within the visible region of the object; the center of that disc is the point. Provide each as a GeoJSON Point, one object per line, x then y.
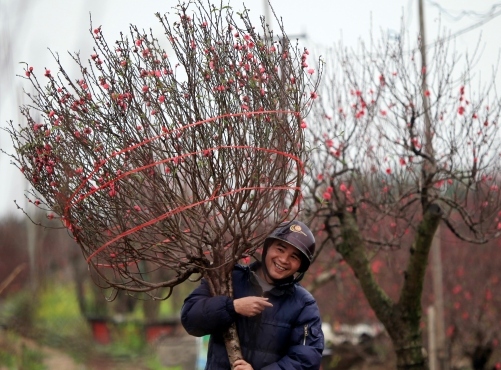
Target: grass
{"type": "Point", "coordinates": [14, 355]}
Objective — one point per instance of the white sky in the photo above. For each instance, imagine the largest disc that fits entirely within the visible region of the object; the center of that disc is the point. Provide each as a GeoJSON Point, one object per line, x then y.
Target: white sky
{"type": "Point", "coordinates": [62, 25]}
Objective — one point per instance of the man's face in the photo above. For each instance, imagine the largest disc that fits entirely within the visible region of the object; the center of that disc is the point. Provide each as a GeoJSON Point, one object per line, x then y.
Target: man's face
{"type": "Point", "coordinates": [282, 260]}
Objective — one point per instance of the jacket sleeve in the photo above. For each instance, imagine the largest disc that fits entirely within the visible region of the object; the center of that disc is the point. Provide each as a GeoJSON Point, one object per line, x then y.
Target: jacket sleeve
{"type": "Point", "coordinates": [305, 352]}
{"type": "Point", "coordinates": [204, 314]}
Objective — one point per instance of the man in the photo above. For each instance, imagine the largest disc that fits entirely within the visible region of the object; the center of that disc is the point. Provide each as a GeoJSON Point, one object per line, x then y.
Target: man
{"type": "Point", "coordinates": [277, 320]}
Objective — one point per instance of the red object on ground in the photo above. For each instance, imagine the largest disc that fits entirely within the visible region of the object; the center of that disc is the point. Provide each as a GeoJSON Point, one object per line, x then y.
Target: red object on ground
{"type": "Point", "coordinates": [155, 330]}
{"type": "Point", "coordinates": [100, 330]}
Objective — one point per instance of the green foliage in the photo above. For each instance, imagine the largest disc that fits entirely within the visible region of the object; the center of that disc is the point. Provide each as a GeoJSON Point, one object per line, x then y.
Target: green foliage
{"type": "Point", "coordinates": [153, 363]}
{"type": "Point", "coordinates": [15, 357]}
{"type": "Point", "coordinates": [127, 341]}
{"type": "Point", "coordinates": [17, 309]}
{"type": "Point", "coordinates": [57, 311]}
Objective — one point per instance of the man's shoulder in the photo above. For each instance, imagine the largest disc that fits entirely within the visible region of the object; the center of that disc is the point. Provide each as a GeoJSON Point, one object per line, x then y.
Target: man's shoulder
{"type": "Point", "coordinates": [303, 294]}
{"type": "Point", "coordinates": [240, 272]}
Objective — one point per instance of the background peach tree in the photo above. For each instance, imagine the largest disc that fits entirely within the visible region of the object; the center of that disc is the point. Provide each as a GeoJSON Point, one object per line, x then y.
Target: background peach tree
{"type": "Point", "coordinates": [400, 146]}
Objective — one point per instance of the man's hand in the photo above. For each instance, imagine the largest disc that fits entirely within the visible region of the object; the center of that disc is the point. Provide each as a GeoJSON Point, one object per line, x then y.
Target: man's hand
{"type": "Point", "coordinates": [242, 364]}
{"type": "Point", "coordinates": [251, 306]}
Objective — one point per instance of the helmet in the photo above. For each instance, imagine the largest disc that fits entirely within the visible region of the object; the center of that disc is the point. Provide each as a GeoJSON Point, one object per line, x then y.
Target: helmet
{"type": "Point", "coordinates": [298, 235]}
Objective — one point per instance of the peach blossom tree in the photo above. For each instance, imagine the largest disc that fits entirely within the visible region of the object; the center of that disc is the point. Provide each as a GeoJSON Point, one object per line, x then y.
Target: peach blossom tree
{"type": "Point", "coordinates": [168, 157]}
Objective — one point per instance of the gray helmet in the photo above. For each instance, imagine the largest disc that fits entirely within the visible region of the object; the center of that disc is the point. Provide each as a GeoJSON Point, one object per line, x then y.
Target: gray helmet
{"type": "Point", "coordinates": [298, 235]}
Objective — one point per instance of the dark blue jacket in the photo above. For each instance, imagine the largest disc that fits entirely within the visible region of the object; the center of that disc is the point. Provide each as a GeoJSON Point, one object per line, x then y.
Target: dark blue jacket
{"type": "Point", "coordinates": [286, 336]}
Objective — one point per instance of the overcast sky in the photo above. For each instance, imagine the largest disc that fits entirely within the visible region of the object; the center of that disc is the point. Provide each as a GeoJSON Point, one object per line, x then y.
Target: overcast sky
{"type": "Point", "coordinates": [28, 28]}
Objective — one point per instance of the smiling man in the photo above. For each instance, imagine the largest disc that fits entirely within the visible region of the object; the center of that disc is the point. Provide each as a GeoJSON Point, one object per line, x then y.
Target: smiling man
{"type": "Point", "coordinates": [278, 321]}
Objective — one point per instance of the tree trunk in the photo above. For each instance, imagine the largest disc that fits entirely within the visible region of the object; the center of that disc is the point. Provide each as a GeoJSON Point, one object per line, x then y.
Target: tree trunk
{"type": "Point", "coordinates": [232, 344]}
{"type": "Point", "coordinates": [409, 353]}
{"type": "Point", "coordinates": [401, 319]}
{"type": "Point", "coordinates": [222, 284]}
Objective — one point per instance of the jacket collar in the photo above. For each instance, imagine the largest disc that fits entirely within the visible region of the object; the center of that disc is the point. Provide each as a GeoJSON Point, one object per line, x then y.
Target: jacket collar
{"type": "Point", "coordinates": [286, 286]}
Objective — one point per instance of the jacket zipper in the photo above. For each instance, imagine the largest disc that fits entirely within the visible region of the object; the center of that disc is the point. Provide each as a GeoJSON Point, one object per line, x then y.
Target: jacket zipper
{"type": "Point", "coordinates": [305, 334]}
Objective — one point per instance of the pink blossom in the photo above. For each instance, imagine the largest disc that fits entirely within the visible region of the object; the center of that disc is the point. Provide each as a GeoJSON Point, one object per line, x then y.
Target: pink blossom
{"type": "Point", "coordinates": [376, 266]}
{"type": "Point", "coordinates": [311, 71]}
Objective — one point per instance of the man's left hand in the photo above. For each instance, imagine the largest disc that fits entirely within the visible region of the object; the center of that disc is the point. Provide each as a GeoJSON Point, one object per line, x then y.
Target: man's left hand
{"type": "Point", "coordinates": [242, 365]}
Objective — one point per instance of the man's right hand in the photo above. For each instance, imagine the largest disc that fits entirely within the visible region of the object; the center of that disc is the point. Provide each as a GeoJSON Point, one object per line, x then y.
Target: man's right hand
{"type": "Point", "coordinates": [251, 306]}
